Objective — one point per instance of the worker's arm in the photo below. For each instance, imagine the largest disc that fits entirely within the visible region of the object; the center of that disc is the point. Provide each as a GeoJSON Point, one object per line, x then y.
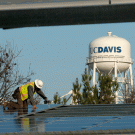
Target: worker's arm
{"type": "Point", "coordinates": [30, 96]}
{"type": "Point", "coordinates": [41, 94]}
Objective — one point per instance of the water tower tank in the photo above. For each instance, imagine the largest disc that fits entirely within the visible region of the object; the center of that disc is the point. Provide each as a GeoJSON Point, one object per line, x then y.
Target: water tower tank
{"type": "Point", "coordinates": [107, 50]}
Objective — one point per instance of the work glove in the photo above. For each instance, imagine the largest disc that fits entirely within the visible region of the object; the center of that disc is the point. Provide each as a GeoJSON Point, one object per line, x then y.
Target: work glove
{"type": "Point", "coordinates": [47, 102]}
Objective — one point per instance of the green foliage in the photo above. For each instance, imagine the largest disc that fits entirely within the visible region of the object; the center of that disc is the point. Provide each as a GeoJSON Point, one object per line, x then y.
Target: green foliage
{"type": "Point", "coordinates": [87, 90]}
{"type": "Point", "coordinates": [105, 94]}
{"type": "Point", "coordinates": [77, 97]}
{"type": "Point", "coordinates": [108, 87]}
{"type": "Point", "coordinates": [64, 101]}
{"type": "Point", "coordinates": [95, 95]}
{"type": "Point", "coordinates": [57, 99]}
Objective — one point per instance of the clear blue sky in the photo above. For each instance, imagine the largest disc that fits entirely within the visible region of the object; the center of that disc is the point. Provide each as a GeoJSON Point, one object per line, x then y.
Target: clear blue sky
{"type": "Point", "coordinates": [58, 54]}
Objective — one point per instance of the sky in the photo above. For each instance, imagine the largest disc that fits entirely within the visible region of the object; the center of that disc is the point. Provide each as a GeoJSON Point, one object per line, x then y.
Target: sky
{"type": "Point", "coordinates": [58, 53]}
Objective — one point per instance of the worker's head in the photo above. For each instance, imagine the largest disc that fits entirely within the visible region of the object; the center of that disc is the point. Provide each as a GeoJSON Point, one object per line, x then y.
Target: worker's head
{"type": "Point", "coordinates": [38, 83]}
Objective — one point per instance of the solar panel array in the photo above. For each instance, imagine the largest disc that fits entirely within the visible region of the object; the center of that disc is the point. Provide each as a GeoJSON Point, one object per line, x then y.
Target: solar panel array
{"type": "Point", "coordinates": [60, 118]}
{"type": "Point", "coordinates": [9, 121]}
{"type": "Point", "coordinates": [88, 110]}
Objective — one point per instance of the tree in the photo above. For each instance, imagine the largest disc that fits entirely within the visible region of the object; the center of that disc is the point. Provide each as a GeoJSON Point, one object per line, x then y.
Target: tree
{"type": "Point", "coordinates": [77, 96]}
{"type": "Point", "coordinates": [64, 101]}
{"type": "Point", "coordinates": [57, 99]}
{"type": "Point", "coordinates": [87, 97]}
{"type": "Point", "coordinates": [128, 95]}
{"type": "Point", "coordinates": [128, 91]}
{"type": "Point", "coordinates": [96, 95]}
{"type": "Point", "coordinates": [10, 77]}
{"type": "Point", "coordinates": [129, 98]}
{"type": "Point", "coordinates": [105, 94]}
{"type": "Point", "coordinates": [107, 88]}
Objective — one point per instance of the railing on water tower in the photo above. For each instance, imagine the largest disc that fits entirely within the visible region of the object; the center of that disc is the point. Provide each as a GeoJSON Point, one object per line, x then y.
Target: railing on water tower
{"type": "Point", "coordinates": [110, 58]}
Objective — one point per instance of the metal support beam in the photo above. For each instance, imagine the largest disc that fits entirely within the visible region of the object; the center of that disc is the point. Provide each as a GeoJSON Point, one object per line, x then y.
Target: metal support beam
{"type": "Point", "coordinates": [115, 73]}
{"type": "Point", "coordinates": [94, 73]}
{"type": "Point", "coordinates": [126, 85]}
{"type": "Point", "coordinates": [131, 77]}
{"type": "Point", "coordinates": [68, 15]}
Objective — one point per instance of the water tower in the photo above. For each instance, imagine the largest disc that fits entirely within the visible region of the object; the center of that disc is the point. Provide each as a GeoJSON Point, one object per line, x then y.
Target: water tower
{"type": "Point", "coordinates": [111, 54]}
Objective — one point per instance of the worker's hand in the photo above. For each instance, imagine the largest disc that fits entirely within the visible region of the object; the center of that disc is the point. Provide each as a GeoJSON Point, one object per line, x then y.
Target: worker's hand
{"type": "Point", "coordinates": [47, 102]}
{"type": "Point", "coordinates": [34, 107]}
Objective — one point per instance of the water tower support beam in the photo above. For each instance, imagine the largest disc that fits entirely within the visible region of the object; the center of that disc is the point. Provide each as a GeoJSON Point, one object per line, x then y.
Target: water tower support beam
{"type": "Point", "coordinates": [131, 78]}
{"type": "Point", "coordinates": [89, 69]}
{"type": "Point", "coordinates": [110, 71]}
{"type": "Point", "coordinates": [94, 72]}
{"type": "Point", "coordinates": [126, 86]}
{"type": "Point", "coordinates": [115, 69]}
{"type": "Point", "coordinates": [115, 73]}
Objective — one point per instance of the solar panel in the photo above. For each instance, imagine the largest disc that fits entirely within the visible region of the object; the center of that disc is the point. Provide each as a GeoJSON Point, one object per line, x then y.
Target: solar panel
{"type": "Point", "coordinates": [9, 121]}
{"type": "Point", "coordinates": [48, 118]}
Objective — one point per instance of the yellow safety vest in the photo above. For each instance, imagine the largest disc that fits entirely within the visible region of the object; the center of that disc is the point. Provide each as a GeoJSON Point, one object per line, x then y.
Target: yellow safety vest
{"type": "Point", "coordinates": [24, 91]}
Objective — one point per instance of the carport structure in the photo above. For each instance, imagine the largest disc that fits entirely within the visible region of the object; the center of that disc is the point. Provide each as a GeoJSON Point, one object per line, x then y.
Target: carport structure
{"type": "Point", "coordinates": [80, 119]}
{"type": "Point", "coordinates": [31, 13]}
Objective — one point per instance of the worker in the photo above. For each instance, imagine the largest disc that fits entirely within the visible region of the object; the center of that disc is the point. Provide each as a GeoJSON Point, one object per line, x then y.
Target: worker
{"type": "Point", "coordinates": [25, 92]}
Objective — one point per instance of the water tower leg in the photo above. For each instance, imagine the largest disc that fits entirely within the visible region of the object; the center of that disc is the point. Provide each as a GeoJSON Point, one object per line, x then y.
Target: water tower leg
{"type": "Point", "coordinates": [131, 77]}
{"type": "Point", "coordinates": [94, 72]}
{"type": "Point", "coordinates": [115, 73]}
{"type": "Point", "coordinates": [126, 86]}
{"type": "Point", "coordinates": [89, 69]}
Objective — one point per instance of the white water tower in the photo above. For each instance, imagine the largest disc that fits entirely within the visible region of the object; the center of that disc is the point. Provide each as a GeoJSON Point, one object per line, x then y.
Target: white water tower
{"type": "Point", "coordinates": [111, 54]}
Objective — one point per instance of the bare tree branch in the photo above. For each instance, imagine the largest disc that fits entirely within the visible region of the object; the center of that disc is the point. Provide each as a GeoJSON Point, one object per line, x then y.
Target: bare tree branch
{"type": "Point", "coordinates": [10, 77]}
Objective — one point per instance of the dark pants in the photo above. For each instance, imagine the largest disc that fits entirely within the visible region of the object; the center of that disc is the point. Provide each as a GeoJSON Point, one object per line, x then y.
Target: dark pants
{"type": "Point", "coordinates": [19, 104]}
